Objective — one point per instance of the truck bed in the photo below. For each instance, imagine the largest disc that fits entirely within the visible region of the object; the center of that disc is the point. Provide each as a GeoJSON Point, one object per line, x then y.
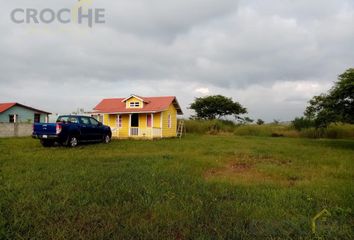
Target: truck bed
{"type": "Point", "coordinates": [44, 129]}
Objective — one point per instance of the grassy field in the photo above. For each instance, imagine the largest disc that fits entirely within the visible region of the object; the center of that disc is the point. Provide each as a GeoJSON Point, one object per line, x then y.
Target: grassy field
{"type": "Point", "coordinates": [200, 187]}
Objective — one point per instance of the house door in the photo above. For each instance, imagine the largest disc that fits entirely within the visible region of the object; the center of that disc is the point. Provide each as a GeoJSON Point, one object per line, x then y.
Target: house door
{"type": "Point", "coordinates": [135, 120]}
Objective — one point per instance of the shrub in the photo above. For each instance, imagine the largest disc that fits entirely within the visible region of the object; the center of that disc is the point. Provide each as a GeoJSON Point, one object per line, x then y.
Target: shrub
{"type": "Point", "coordinates": [209, 126]}
{"type": "Point", "coordinates": [268, 130]}
{"type": "Point", "coordinates": [260, 122]}
{"type": "Point", "coordinates": [300, 123]}
{"type": "Point", "coordinates": [334, 131]}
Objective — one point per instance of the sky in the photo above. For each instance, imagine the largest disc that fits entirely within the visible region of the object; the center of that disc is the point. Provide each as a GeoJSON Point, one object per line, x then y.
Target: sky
{"type": "Point", "coordinates": [271, 56]}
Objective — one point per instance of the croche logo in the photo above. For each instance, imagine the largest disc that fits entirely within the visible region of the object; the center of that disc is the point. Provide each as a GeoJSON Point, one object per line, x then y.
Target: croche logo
{"type": "Point", "coordinates": [80, 13]}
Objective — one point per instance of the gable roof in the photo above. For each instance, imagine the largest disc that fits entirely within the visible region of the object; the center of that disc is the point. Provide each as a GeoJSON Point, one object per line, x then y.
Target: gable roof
{"type": "Point", "coordinates": [152, 105]}
{"type": "Point", "coordinates": [136, 96]}
{"type": "Point", "coordinates": [7, 106]}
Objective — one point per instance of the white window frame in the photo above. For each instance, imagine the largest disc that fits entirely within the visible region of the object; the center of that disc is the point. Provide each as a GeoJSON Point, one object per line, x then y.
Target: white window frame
{"type": "Point", "coordinates": [119, 121]}
{"type": "Point", "coordinates": [134, 104]}
{"type": "Point", "coordinates": [147, 122]}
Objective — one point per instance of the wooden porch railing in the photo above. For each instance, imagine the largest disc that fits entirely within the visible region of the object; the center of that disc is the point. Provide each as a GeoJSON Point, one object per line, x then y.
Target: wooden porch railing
{"type": "Point", "coordinates": [139, 132]}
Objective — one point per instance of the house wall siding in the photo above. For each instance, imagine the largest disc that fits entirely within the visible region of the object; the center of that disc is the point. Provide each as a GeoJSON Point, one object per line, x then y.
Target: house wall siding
{"type": "Point", "coordinates": [172, 131]}
{"type": "Point", "coordinates": [133, 99]}
{"type": "Point", "coordinates": [24, 115]}
{"type": "Point", "coordinates": [157, 120]}
{"type": "Point", "coordinates": [111, 120]}
{"type": "Point", "coordinates": [124, 130]}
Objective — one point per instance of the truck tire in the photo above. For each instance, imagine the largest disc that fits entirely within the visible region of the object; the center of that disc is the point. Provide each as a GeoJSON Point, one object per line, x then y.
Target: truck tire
{"type": "Point", "coordinates": [106, 138]}
{"type": "Point", "coordinates": [47, 143]}
{"type": "Point", "coordinates": [72, 141]}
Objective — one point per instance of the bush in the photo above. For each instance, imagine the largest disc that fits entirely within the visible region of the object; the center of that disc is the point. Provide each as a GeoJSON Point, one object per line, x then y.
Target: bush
{"type": "Point", "coordinates": [260, 122]}
{"type": "Point", "coordinates": [209, 126]}
{"type": "Point", "coordinates": [268, 130]}
{"type": "Point", "coordinates": [300, 123]}
{"type": "Point", "coordinates": [333, 131]}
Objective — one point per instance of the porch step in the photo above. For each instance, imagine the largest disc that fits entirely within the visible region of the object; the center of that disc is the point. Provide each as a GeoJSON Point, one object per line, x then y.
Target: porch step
{"type": "Point", "coordinates": [180, 129]}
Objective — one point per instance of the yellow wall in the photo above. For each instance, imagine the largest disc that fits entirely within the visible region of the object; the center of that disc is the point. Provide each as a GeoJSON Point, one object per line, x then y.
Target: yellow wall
{"type": "Point", "coordinates": [142, 120]}
{"type": "Point", "coordinates": [157, 120]}
{"type": "Point", "coordinates": [133, 99]}
{"type": "Point", "coordinates": [124, 130]}
{"type": "Point", "coordinates": [172, 131]}
{"type": "Point", "coordinates": [111, 120]}
{"type": "Point", "coordinates": [105, 119]}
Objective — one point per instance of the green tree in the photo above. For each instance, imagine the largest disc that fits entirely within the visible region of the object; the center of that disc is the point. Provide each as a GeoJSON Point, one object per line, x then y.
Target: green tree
{"type": "Point", "coordinates": [335, 106]}
{"type": "Point", "coordinates": [276, 121]}
{"type": "Point", "coordinates": [300, 123]}
{"type": "Point", "coordinates": [215, 107]}
{"type": "Point", "coordinates": [260, 121]}
{"type": "Point", "coordinates": [248, 120]}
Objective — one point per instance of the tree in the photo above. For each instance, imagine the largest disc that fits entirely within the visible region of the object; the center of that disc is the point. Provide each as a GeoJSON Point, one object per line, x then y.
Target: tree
{"type": "Point", "coordinates": [248, 120]}
{"type": "Point", "coordinates": [300, 123]}
{"type": "Point", "coordinates": [335, 106]}
{"type": "Point", "coordinates": [276, 121]}
{"type": "Point", "coordinates": [260, 121]}
{"type": "Point", "coordinates": [215, 107]}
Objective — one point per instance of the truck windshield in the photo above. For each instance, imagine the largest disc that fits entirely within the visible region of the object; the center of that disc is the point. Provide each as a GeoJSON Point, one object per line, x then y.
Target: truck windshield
{"type": "Point", "coordinates": [67, 119]}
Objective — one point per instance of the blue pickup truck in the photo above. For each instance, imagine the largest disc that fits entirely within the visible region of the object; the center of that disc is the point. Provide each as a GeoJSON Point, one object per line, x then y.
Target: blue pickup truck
{"type": "Point", "coordinates": [69, 130]}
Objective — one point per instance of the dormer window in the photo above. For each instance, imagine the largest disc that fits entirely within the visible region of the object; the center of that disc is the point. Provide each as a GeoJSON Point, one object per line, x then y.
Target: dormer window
{"type": "Point", "coordinates": [134, 104]}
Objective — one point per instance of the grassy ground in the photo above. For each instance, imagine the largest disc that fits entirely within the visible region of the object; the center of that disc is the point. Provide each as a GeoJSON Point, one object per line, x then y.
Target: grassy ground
{"type": "Point", "coordinates": [200, 187]}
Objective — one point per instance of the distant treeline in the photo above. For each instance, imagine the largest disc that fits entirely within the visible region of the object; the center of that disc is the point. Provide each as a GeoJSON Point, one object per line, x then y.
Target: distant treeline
{"type": "Point", "coordinates": [334, 130]}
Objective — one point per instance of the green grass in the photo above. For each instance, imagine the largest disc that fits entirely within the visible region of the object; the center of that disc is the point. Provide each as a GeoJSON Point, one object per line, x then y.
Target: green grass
{"type": "Point", "coordinates": [200, 187]}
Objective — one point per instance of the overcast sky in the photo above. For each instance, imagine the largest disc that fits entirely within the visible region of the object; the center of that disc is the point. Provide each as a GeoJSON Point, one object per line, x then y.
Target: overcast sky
{"type": "Point", "coordinates": [272, 56]}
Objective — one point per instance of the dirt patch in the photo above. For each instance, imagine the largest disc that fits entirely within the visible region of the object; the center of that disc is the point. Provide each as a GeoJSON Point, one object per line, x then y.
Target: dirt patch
{"type": "Point", "coordinates": [233, 167]}
{"type": "Point", "coordinates": [250, 169]}
{"type": "Point", "coordinates": [240, 167]}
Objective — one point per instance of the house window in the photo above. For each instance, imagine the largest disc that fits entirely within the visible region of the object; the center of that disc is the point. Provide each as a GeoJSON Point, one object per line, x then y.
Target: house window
{"type": "Point", "coordinates": [37, 118]}
{"type": "Point", "coordinates": [11, 118]}
{"type": "Point", "coordinates": [134, 104]}
{"type": "Point", "coordinates": [169, 121]}
{"type": "Point", "coordinates": [148, 120]}
{"type": "Point", "coordinates": [119, 121]}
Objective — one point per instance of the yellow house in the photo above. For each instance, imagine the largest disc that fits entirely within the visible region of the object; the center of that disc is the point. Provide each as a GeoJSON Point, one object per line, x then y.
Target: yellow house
{"type": "Point", "coordinates": [140, 117]}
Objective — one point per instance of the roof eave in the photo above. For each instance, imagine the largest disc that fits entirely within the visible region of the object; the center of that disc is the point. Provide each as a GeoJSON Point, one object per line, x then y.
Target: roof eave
{"type": "Point", "coordinates": [24, 106]}
{"type": "Point", "coordinates": [115, 112]}
{"type": "Point", "coordinates": [135, 96]}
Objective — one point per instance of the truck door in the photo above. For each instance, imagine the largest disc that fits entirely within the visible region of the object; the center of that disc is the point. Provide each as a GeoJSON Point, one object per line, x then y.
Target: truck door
{"type": "Point", "coordinates": [86, 129]}
{"type": "Point", "coordinates": [97, 129]}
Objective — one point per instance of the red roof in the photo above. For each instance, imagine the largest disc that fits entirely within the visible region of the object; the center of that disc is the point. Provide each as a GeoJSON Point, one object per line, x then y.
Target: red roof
{"type": "Point", "coordinates": [151, 104]}
{"type": "Point", "coordinates": [6, 106]}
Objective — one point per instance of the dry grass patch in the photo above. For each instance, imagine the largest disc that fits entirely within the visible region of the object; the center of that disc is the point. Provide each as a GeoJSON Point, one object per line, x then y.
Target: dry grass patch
{"type": "Point", "coordinates": [251, 169]}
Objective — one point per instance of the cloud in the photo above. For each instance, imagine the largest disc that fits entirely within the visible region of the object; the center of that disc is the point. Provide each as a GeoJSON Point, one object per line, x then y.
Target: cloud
{"type": "Point", "coordinates": [202, 90]}
{"type": "Point", "coordinates": [272, 56]}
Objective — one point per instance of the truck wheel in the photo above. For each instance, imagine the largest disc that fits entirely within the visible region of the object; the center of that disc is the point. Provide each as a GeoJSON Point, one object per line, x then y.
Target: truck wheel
{"type": "Point", "coordinates": [106, 138]}
{"type": "Point", "coordinates": [47, 143]}
{"type": "Point", "coordinates": [72, 141]}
